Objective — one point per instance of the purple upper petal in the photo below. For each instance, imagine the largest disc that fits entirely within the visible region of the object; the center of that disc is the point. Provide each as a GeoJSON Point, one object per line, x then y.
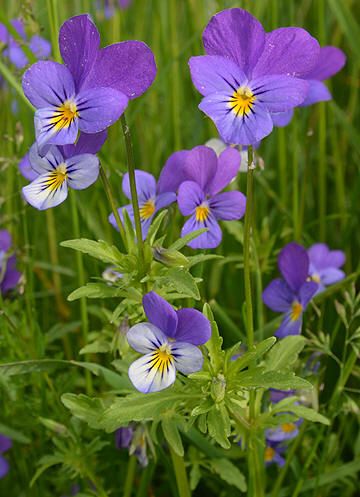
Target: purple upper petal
{"type": "Point", "coordinates": [282, 118]}
{"type": "Point", "coordinates": [293, 263]}
{"type": "Point", "coordinates": [228, 165]}
{"type": "Point", "coordinates": [317, 92]}
{"type": "Point", "coordinates": [331, 60]}
{"type": "Point", "coordinates": [228, 206]}
{"type": "Point", "coordinates": [160, 313]}
{"type": "Point", "coordinates": [172, 174]}
{"type": "Point", "coordinates": [288, 51]}
{"type": "Point", "coordinates": [201, 166]}
{"type": "Point", "coordinates": [86, 144]}
{"type": "Point", "coordinates": [79, 42]}
{"type": "Point", "coordinates": [145, 185]}
{"type": "Point", "coordinates": [5, 240]}
{"type": "Point", "coordinates": [189, 197]}
{"type": "Point", "coordinates": [235, 34]}
{"type": "Point", "coordinates": [278, 296]}
{"type": "Point", "coordinates": [47, 84]}
{"type": "Point", "coordinates": [193, 327]}
{"type": "Point", "coordinates": [321, 257]}
{"type": "Point", "coordinates": [128, 67]}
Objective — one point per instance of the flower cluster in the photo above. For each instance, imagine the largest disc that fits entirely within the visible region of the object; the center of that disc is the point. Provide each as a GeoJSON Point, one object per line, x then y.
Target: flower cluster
{"type": "Point", "coordinates": [9, 275]}
{"type": "Point", "coordinates": [169, 342]}
{"type": "Point", "coordinates": [87, 94]}
{"type": "Point", "coordinates": [304, 273]}
{"type": "Point", "coordinates": [198, 176]}
{"type": "Point", "coordinates": [38, 45]}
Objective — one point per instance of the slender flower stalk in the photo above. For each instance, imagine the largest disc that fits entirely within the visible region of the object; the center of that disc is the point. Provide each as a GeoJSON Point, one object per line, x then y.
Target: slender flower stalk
{"type": "Point", "coordinates": [110, 196]}
{"type": "Point", "coordinates": [180, 474]}
{"type": "Point", "coordinates": [134, 196]}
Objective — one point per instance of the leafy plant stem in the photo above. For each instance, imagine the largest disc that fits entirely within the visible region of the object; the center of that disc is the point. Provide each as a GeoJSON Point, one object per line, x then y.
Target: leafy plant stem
{"type": "Point", "coordinates": [180, 474]}
{"type": "Point", "coordinates": [130, 475]}
{"type": "Point", "coordinates": [134, 196]}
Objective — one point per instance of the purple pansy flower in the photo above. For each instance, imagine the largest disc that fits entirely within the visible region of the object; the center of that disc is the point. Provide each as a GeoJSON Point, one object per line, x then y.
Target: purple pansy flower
{"type": "Point", "coordinates": [73, 166]}
{"type": "Point", "coordinates": [273, 454]}
{"type": "Point", "coordinates": [286, 431]}
{"type": "Point", "coordinates": [9, 275]}
{"type": "Point", "coordinates": [40, 47]}
{"type": "Point", "coordinates": [247, 74]}
{"type": "Point", "coordinates": [198, 197]}
{"type": "Point", "coordinates": [133, 438]}
{"type": "Point", "coordinates": [278, 395]}
{"type": "Point", "coordinates": [292, 293]}
{"type": "Point", "coordinates": [325, 264]}
{"type": "Point", "coordinates": [169, 343]}
{"type": "Point", "coordinates": [151, 199]}
{"type": "Point", "coordinates": [331, 61]}
{"type": "Point", "coordinates": [91, 91]}
{"type": "Point", "coordinates": [5, 444]}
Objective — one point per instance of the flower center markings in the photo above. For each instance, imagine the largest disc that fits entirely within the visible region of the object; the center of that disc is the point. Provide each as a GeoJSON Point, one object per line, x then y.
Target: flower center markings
{"type": "Point", "coordinates": [269, 454]}
{"type": "Point", "coordinates": [147, 209]}
{"type": "Point", "coordinates": [161, 359]}
{"type": "Point", "coordinates": [65, 115]}
{"type": "Point", "coordinates": [202, 212]}
{"type": "Point", "coordinates": [242, 101]}
{"type": "Point", "coordinates": [55, 178]}
{"type": "Point", "coordinates": [288, 427]}
{"type": "Point", "coordinates": [296, 310]}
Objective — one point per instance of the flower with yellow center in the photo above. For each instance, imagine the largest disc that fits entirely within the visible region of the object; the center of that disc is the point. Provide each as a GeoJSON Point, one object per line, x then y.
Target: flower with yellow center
{"type": "Point", "coordinates": [269, 454]}
{"type": "Point", "coordinates": [64, 115]}
{"type": "Point", "coordinates": [202, 212]}
{"type": "Point", "coordinates": [288, 427]}
{"type": "Point", "coordinates": [242, 101]}
{"type": "Point", "coordinates": [296, 311]}
{"type": "Point", "coordinates": [56, 178]}
{"type": "Point", "coordinates": [147, 209]}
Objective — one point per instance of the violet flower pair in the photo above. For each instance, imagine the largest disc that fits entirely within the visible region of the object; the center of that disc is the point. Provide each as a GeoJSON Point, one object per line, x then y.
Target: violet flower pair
{"type": "Point", "coordinates": [249, 78]}
{"type": "Point", "coordinates": [198, 176]}
{"type": "Point", "coordinates": [169, 343]}
{"type": "Point", "coordinates": [304, 273]}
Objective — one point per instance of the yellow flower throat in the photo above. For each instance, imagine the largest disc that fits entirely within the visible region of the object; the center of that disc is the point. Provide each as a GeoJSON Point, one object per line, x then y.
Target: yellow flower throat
{"type": "Point", "coordinates": [242, 101]}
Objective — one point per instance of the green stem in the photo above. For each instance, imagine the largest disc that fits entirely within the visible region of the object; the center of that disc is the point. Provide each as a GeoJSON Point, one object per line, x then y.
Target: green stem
{"type": "Point", "coordinates": [134, 197]}
{"type": "Point", "coordinates": [180, 474]}
{"type": "Point", "coordinates": [10, 78]}
{"type": "Point", "coordinates": [130, 475]}
{"type": "Point", "coordinates": [322, 135]}
{"type": "Point", "coordinates": [295, 178]}
{"type": "Point", "coordinates": [110, 196]}
{"type": "Point", "coordinates": [247, 236]}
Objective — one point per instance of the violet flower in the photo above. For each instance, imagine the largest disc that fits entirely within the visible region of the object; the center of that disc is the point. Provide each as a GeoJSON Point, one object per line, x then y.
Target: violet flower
{"type": "Point", "coordinates": [151, 199]}
{"type": "Point", "coordinates": [199, 197]}
{"type": "Point", "coordinates": [9, 275]}
{"type": "Point", "coordinates": [273, 454]}
{"type": "Point", "coordinates": [278, 395]}
{"type": "Point", "coordinates": [73, 166]}
{"type": "Point", "coordinates": [5, 445]}
{"type": "Point", "coordinates": [331, 61]}
{"type": "Point", "coordinates": [325, 264]}
{"type": "Point", "coordinates": [292, 293]}
{"type": "Point", "coordinates": [133, 438]}
{"type": "Point", "coordinates": [40, 47]}
{"type": "Point", "coordinates": [247, 74]}
{"type": "Point", "coordinates": [169, 343]}
{"type": "Point", "coordinates": [91, 91]}
{"type": "Point", "coordinates": [286, 431]}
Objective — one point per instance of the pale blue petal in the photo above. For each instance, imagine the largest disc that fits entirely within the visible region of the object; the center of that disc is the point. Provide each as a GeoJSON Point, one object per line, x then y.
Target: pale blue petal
{"type": "Point", "coordinates": [147, 378]}
{"type": "Point", "coordinates": [145, 337]}
{"type": "Point", "coordinates": [188, 358]}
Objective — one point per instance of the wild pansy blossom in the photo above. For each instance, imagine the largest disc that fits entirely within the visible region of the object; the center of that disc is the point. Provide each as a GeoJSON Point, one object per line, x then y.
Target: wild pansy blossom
{"type": "Point", "coordinates": [292, 293]}
{"type": "Point", "coordinates": [331, 60]}
{"type": "Point", "coordinates": [133, 438]}
{"type": "Point", "coordinates": [62, 167]}
{"type": "Point", "coordinates": [325, 264]}
{"type": "Point", "coordinates": [151, 199]}
{"type": "Point", "coordinates": [219, 146]}
{"type": "Point", "coordinates": [286, 431]}
{"type": "Point", "coordinates": [9, 275]}
{"type": "Point", "coordinates": [198, 197]}
{"type": "Point", "coordinates": [247, 74]}
{"type": "Point", "coordinates": [169, 343]}
{"type": "Point", "coordinates": [40, 47]}
{"type": "Point", "coordinates": [5, 445]}
{"type": "Point", "coordinates": [91, 91]}
{"type": "Point", "coordinates": [108, 6]}
{"type": "Point", "coordinates": [273, 454]}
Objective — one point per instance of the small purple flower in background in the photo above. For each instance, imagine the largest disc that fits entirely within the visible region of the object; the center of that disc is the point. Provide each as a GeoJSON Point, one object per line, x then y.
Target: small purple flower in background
{"type": "Point", "coordinates": [325, 264]}
{"type": "Point", "coordinates": [273, 454]}
{"type": "Point", "coordinates": [9, 275]}
{"type": "Point", "coordinates": [151, 199]}
{"type": "Point", "coordinates": [91, 91]}
{"type": "Point", "coordinates": [75, 489]}
{"type": "Point", "coordinates": [278, 395]}
{"type": "Point", "coordinates": [291, 294]}
{"type": "Point", "coordinates": [219, 146]}
{"type": "Point", "coordinates": [111, 275]}
{"type": "Point", "coordinates": [286, 431]}
{"type": "Point", "coordinates": [5, 445]}
{"type": "Point", "coordinates": [133, 438]}
{"type": "Point", "coordinates": [331, 61]}
{"type": "Point", "coordinates": [40, 47]}
{"type": "Point", "coordinates": [247, 74]}
{"type": "Point", "coordinates": [60, 168]}
{"type": "Point", "coordinates": [199, 196]}
{"type": "Point", "coordinates": [108, 6]}
{"type": "Point", "coordinates": [169, 343]}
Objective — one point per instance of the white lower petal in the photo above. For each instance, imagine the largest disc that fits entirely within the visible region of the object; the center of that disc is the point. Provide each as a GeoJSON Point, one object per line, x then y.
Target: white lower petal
{"type": "Point", "coordinates": [145, 337]}
{"type": "Point", "coordinates": [45, 191]}
{"type": "Point", "coordinates": [83, 170]}
{"type": "Point", "coordinates": [150, 375]}
{"type": "Point", "coordinates": [188, 358]}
